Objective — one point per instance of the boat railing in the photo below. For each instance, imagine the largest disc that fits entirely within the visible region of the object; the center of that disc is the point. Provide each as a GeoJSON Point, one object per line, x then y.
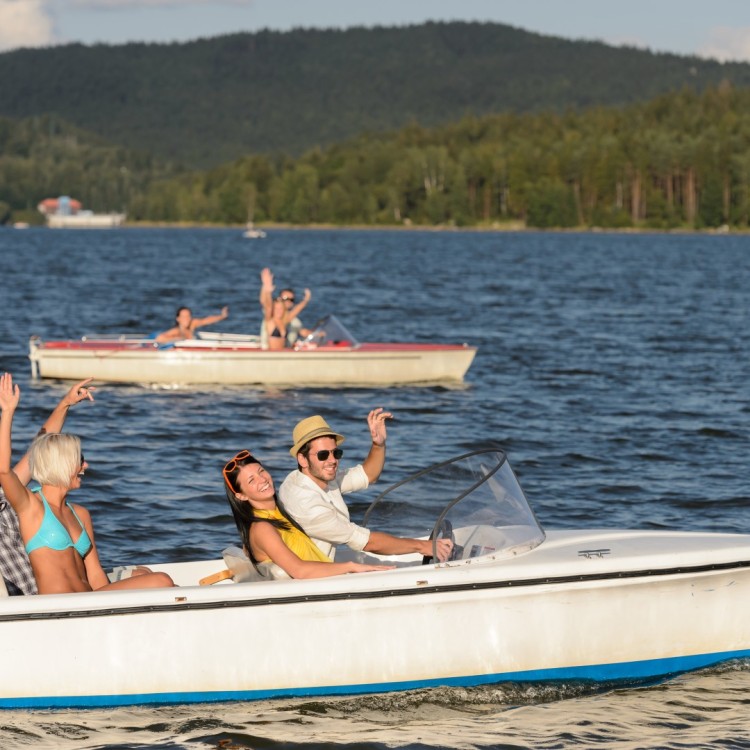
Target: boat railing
{"type": "Point", "coordinates": [127, 338]}
{"type": "Point", "coordinates": [238, 338]}
{"type": "Point", "coordinates": [202, 339]}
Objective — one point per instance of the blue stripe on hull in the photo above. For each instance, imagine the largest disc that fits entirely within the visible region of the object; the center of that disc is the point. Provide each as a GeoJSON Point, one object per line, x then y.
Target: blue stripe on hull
{"type": "Point", "coordinates": [635, 671]}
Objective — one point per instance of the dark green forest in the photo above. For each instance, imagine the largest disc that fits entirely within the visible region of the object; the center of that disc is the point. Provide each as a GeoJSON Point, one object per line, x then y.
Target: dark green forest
{"type": "Point", "coordinates": [442, 124]}
{"type": "Point", "coordinates": [44, 157]}
{"type": "Point", "coordinates": [681, 160]}
{"type": "Point", "coordinates": [210, 101]}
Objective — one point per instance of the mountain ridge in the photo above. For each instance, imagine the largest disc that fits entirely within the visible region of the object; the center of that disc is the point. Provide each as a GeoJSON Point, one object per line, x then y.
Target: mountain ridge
{"type": "Point", "coordinates": [215, 99]}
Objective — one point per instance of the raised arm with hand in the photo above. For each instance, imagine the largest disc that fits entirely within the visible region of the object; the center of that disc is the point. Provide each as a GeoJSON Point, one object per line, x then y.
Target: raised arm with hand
{"type": "Point", "coordinates": [211, 319]}
{"type": "Point", "coordinates": [380, 542]}
{"type": "Point", "coordinates": [12, 486]}
{"type": "Point", "coordinates": [54, 423]}
{"type": "Point", "coordinates": [266, 292]}
{"type": "Point", "coordinates": [373, 464]}
{"type": "Point", "coordinates": [299, 307]}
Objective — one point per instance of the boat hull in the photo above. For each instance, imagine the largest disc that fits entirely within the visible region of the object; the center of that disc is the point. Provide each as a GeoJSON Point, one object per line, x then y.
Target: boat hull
{"type": "Point", "coordinates": [648, 606]}
{"type": "Point", "coordinates": [85, 221]}
{"type": "Point", "coordinates": [367, 364]}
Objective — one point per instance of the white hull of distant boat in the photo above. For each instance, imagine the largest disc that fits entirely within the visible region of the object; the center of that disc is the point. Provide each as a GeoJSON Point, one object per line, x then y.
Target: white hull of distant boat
{"type": "Point", "coordinates": [67, 213]}
{"type": "Point", "coordinates": [234, 359]}
{"type": "Point", "coordinates": [252, 232]}
{"type": "Point", "coordinates": [85, 220]}
{"type": "Point", "coordinates": [512, 606]}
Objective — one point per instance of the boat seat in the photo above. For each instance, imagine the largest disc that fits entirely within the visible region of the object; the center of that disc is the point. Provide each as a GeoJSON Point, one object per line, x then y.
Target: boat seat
{"type": "Point", "coordinates": [239, 566]}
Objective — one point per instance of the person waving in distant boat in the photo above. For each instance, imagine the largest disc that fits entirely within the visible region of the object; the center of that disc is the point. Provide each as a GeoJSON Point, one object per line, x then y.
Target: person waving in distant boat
{"type": "Point", "coordinates": [313, 495]}
{"type": "Point", "coordinates": [187, 325]}
{"type": "Point", "coordinates": [48, 522]}
{"type": "Point", "coordinates": [275, 544]}
{"type": "Point", "coordinates": [281, 327]}
{"type": "Point", "coordinates": [294, 329]}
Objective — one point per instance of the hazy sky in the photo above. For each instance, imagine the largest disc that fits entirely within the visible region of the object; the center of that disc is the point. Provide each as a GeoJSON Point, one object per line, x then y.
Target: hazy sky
{"type": "Point", "coordinates": [711, 28]}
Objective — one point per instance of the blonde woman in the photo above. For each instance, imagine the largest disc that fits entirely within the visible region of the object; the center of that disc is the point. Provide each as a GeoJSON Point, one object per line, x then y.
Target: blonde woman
{"type": "Point", "coordinates": [58, 535]}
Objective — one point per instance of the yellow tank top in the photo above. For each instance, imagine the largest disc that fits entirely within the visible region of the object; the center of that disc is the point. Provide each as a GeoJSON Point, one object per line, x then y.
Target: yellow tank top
{"type": "Point", "coordinates": [297, 541]}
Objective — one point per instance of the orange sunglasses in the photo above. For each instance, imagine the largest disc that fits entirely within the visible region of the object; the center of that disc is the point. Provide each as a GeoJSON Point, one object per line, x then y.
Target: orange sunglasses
{"type": "Point", "coordinates": [233, 464]}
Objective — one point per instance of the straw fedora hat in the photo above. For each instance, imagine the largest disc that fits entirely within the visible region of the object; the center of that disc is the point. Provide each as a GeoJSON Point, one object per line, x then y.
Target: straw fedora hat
{"type": "Point", "coordinates": [309, 429]}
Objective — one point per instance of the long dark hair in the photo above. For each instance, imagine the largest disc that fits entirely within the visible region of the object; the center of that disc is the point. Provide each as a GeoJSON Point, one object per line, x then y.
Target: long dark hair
{"type": "Point", "coordinates": [243, 511]}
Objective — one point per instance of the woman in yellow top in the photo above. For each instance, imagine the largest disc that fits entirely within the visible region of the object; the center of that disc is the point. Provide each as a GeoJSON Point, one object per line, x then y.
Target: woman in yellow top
{"type": "Point", "coordinates": [269, 536]}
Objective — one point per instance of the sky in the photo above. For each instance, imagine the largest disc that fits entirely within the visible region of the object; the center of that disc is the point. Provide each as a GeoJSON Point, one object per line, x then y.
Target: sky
{"type": "Point", "coordinates": [709, 28]}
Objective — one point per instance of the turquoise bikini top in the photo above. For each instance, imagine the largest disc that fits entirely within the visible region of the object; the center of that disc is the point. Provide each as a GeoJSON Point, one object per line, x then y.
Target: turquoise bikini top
{"type": "Point", "coordinates": [54, 535]}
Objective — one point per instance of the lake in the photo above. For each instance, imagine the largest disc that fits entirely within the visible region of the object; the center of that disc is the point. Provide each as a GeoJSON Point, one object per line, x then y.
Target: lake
{"type": "Point", "coordinates": [613, 368]}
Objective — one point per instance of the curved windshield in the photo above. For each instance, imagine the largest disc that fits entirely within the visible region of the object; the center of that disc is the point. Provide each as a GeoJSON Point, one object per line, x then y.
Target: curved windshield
{"type": "Point", "coordinates": [329, 331]}
{"type": "Point", "coordinates": [475, 500]}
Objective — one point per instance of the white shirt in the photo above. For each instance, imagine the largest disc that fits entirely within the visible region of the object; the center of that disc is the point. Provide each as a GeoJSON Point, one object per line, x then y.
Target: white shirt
{"type": "Point", "coordinates": [322, 513]}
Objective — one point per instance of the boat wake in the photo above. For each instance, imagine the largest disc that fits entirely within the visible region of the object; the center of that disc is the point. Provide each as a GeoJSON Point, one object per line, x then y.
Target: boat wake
{"type": "Point", "coordinates": [468, 718]}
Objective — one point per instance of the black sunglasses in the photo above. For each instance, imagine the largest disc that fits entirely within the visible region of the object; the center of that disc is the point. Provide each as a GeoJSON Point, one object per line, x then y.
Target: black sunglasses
{"type": "Point", "coordinates": [323, 455]}
{"type": "Point", "coordinates": [287, 299]}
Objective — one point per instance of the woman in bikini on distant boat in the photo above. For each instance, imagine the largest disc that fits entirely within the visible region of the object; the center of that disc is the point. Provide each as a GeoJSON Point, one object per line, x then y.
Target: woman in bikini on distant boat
{"type": "Point", "coordinates": [276, 316]}
{"type": "Point", "coordinates": [59, 536]}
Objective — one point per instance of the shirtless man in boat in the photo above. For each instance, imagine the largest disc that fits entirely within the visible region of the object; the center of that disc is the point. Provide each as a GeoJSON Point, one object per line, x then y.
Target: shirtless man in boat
{"type": "Point", "coordinates": [313, 494]}
{"type": "Point", "coordinates": [187, 325]}
{"type": "Point", "coordinates": [15, 567]}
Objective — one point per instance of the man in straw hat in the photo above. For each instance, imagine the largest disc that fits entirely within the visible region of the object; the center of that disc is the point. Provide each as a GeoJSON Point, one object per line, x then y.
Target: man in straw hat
{"type": "Point", "coordinates": [313, 494]}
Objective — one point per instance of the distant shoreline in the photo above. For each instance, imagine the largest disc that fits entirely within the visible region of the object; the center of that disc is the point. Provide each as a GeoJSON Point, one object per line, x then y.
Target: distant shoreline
{"type": "Point", "coordinates": [508, 228]}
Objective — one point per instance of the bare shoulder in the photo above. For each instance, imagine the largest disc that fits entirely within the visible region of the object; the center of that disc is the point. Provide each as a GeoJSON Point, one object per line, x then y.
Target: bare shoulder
{"type": "Point", "coordinates": [81, 512]}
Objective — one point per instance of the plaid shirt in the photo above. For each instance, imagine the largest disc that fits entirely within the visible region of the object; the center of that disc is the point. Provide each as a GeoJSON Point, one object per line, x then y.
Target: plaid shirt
{"type": "Point", "coordinates": [15, 567]}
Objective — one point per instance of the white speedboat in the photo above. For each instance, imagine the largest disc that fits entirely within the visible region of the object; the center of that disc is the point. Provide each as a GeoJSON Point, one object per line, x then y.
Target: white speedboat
{"type": "Point", "coordinates": [512, 604]}
{"type": "Point", "coordinates": [329, 356]}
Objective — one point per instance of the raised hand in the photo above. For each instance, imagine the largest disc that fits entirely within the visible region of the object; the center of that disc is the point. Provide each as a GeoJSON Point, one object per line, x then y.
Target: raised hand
{"type": "Point", "coordinates": [376, 422]}
{"type": "Point", "coordinates": [266, 279]}
{"type": "Point", "coordinates": [79, 392]}
{"type": "Point", "coordinates": [10, 395]}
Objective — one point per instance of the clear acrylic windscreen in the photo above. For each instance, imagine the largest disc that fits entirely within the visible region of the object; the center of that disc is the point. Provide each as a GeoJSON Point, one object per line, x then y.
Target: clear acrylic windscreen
{"type": "Point", "coordinates": [474, 499]}
{"type": "Point", "coordinates": [330, 331]}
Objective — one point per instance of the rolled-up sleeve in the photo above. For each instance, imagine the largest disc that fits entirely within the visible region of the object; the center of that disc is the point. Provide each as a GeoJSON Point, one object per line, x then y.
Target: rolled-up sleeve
{"type": "Point", "coordinates": [319, 516]}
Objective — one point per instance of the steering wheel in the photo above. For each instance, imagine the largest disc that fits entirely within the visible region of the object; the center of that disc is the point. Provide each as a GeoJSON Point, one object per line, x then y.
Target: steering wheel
{"type": "Point", "coordinates": [445, 531]}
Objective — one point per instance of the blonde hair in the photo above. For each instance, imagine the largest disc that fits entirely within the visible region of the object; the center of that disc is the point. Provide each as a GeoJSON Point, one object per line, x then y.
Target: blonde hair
{"type": "Point", "coordinates": [54, 458]}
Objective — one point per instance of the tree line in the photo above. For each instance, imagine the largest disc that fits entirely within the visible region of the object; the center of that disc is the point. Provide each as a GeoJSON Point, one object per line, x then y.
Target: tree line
{"type": "Point", "coordinates": [45, 157]}
{"type": "Point", "coordinates": [681, 160]}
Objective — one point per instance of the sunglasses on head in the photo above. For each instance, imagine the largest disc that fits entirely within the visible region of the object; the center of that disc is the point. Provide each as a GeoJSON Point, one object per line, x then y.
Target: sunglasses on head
{"type": "Point", "coordinates": [234, 463]}
{"type": "Point", "coordinates": [323, 455]}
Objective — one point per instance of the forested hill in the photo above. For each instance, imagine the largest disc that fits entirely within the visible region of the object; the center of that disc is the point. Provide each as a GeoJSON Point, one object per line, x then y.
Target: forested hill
{"type": "Point", "coordinates": [213, 100]}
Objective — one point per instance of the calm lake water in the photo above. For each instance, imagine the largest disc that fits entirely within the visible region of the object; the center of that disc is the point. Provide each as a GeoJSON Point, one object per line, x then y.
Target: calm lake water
{"type": "Point", "coordinates": [612, 368]}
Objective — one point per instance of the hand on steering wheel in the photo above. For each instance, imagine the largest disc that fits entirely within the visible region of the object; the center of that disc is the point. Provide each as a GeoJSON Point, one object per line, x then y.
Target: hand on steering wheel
{"type": "Point", "coordinates": [447, 549]}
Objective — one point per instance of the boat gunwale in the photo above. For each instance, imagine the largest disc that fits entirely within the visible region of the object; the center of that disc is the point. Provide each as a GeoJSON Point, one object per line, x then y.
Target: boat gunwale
{"type": "Point", "coordinates": [150, 346]}
{"type": "Point", "coordinates": [180, 605]}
